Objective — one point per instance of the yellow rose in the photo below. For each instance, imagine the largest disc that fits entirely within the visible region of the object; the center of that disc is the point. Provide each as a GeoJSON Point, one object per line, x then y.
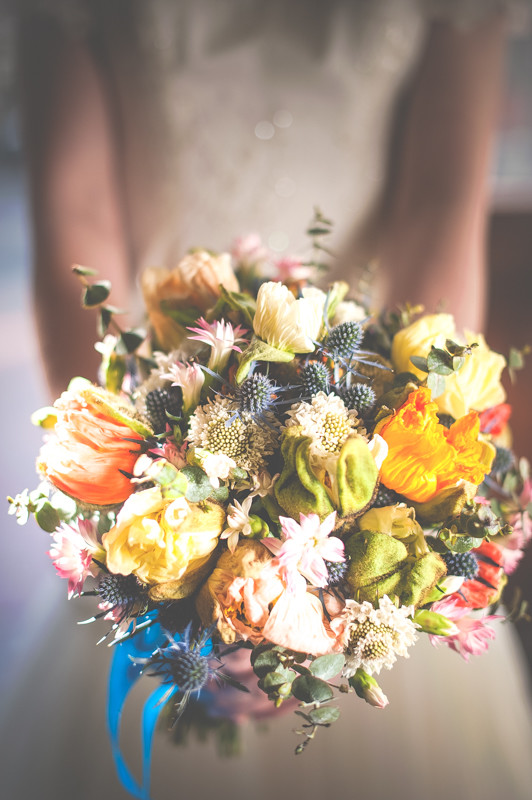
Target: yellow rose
{"type": "Point", "coordinates": [195, 282]}
{"type": "Point", "coordinates": [476, 386]}
{"type": "Point", "coordinates": [161, 541]}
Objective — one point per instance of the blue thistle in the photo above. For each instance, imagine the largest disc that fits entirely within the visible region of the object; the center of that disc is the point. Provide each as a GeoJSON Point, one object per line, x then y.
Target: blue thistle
{"type": "Point", "coordinates": [461, 564]}
{"type": "Point", "coordinates": [359, 396]}
{"type": "Point", "coordinates": [257, 394]}
{"type": "Point", "coordinates": [315, 378]}
{"type": "Point", "coordinates": [344, 340]}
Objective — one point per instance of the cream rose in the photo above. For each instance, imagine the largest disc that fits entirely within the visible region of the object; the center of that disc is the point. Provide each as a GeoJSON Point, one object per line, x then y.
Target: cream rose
{"type": "Point", "coordinates": [285, 322]}
{"type": "Point", "coordinates": [475, 387]}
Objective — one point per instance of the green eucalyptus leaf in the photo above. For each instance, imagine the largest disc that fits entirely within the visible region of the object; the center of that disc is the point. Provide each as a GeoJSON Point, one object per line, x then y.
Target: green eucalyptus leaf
{"type": "Point", "coordinates": [326, 667]}
{"type": "Point", "coordinates": [47, 517]}
{"type": "Point", "coordinates": [266, 662]}
{"type": "Point", "coordinates": [104, 320]}
{"type": "Point", "coordinates": [95, 294]}
{"type": "Point", "coordinates": [420, 363]}
{"type": "Point", "coordinates": [199, 486]}
{"type": "Point", "coordinates": [436, 384]}
{"type": "Point", "coordinates": [439, 361]}
{"type": "Point", "coordinates": [458, 543]}
{"type": "Point", "coordinates": [77, 269]}
{"type": "Point", "coordinates": [458, 362]}
{"type": "Point", "coordinates": [325, 715]}
{"type": "Point", "coordinates": [309, 689]}
{"type": "Point", "coordinates": [129, 341]}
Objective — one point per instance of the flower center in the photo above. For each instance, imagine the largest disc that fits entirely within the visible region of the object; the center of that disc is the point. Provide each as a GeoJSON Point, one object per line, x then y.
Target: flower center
{"type": "Point", "coordinates": [229, 440]}
{"type": "Point", "coordinates": [371, 640]}
{"type": "Point", "coordinates": [336, 429]}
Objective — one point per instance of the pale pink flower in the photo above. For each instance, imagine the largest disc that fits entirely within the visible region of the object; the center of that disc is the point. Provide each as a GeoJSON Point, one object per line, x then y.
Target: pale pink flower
{"type": "Point", "coordinates": [190, 377]}
{"type": "Point", "coordinates": [72, 551]}
{"type": "Point", "coordinates": [291, 268]}
{"type": "Point", "coordinates": [248, 251]}
{"type": "Point", "coordinates": [297, 622]}
{"type": "Point", "coordinates": [473, 634]}
{"type": "Point", "coordinates": [304, 548]}
{"type": "Point", "coordinates": [520, 520]}
{"type": "Point", "coordinates": [222, 338]}
{"type": "Point", "coordinates": [172, 452]}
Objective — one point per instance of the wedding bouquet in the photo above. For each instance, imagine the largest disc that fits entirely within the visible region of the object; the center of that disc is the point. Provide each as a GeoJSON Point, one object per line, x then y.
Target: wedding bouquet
{"type": "Point", "coordinates": [273, 468]}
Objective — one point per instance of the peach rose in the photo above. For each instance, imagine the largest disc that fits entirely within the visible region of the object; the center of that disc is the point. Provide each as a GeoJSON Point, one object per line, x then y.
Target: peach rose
{"type": "Point", "coordinates": [90, 449]}
{"type": "Point", "coordinates": [194, 283]}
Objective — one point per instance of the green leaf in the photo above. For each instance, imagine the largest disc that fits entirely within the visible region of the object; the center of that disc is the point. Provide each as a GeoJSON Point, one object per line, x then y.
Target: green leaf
{"type": "Point", "coordinates": [77, 269]}
{"type": "Point", "coordinates": [457, 543]}
{"type": "Point", "coordinates": [104, 320]}
{"type": "Point", "coordinates": [130, 341]}
{"type": "Point", "coordinates": [220, 495]}
{"type": "Point", "coordinates": [326, 667]}
{"type": "Point", "coordinates": [272, 680]}
{"type": "Point", "coordinates": [47, 517]}
{"type": "Point", "coordinates": [260, 351]}
{"type": "Point", "coordinates": [436, 384]}
{"type": "Point", "coordinates": [199, 486]}
{"type": "Point", "coordinates": [325, 715]}
{"type": "Point", "coordinates": [458, 362]}
{"type": "Point", "coordinates": [420, 363]}
{"type": "Point", "coordinates": [309, 689]}
{"type": "Point", "coordinates": [316, 231]}
{"type": "Point", "coordinates": [439, 361]}
{"type": "Point", "coordinates": [183, 316]}
{"type": "Point", "coordinates": [265, 662]}
{"type": "Point", "coordinates": [95, 294]}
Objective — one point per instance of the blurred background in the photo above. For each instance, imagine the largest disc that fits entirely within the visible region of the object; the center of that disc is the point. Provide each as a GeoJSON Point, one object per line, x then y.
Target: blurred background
{"type": "Point", "coordinates": [52, 711]}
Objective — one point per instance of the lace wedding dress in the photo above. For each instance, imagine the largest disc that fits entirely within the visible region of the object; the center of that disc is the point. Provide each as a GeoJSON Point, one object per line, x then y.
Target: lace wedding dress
{"type": "Point", "coordinates": [239, 116]}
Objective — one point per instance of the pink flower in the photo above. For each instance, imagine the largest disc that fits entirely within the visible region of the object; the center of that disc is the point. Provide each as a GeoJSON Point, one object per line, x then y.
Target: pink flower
{"type": "Point", "coordinates": [248, 251]}
{"type": "Point", "coordinates": [292, 268]}
{"type": "Point", "coordinates": [473, 634]}
{"type": "Point", "coordinates": [221, 337]}
{"type": "Point", "coordinates": [72, 551]}
{"type": "Point", "coordinates": [520, 520]}
{"type": "Point", "coordinates": [304, 548]}
{"type": "Point", "coordinates": [190, 377]}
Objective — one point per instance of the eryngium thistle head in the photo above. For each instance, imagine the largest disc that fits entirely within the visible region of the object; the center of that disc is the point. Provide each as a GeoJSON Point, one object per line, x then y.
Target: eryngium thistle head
{"type": "Point", "coordinates": [257, 394]}
{"type": "Point", "coordinates": [387, 497]}
{"type": "Point", "coordinates": [504, 460]}
{"type": "Point", "coordinates": [336, 571]}
{"type": "Point", "coordinates": [344, 339]}
{"type": "Point", "coordinates": [121, 590]}
{"type": "Point", "coordinates": [315, 378]}
{"type": "Point", "coordinates": [160, 401]}
{"type": "Point", "coordinates": [461, 564]}
{"type": "Point", "coordinates": [188, 669]}
{"type": "Point", "coordinates": [360, 396]}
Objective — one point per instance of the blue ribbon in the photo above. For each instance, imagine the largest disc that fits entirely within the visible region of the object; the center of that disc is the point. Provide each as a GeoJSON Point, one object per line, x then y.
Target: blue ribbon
{"type": "Point", "coordinates": [125, 672]}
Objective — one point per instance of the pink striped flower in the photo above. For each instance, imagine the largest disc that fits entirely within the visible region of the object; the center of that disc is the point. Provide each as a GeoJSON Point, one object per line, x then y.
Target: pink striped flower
{"type": "Point", "coordinates": [474, 633]}
{"type": "Point", "coordinates": [221, 337]}
{"type": "Point", "coordinates": [304, 548]}
{"type": "Point", "coordinates": [72, 552]}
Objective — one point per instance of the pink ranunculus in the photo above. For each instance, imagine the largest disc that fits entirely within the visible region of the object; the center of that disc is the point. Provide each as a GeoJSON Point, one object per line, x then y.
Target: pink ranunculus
{"type": "Point", "coordinates": [474, 633]}
{"type": "Point", "coordinates": [521, 522]}
{"type": "Point", "coordinates": [72, 552]}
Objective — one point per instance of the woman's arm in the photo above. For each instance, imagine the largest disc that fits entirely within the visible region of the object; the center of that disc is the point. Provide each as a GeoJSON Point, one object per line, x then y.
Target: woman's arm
{"type": "Point", "coordinates": [75, 194]}
{"type": "Point", "coordinates": [432, 247]}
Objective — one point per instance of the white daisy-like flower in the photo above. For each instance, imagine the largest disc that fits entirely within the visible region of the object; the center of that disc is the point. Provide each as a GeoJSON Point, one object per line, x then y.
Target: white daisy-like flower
{"type": "Point", "coordinates": [190, 377]}
{"type": "Point", "coordinates": [219, 428]}
{"type": "Point", "coordinates": [217, 466]}
{"type": "Point", "coordinates": [326, 420]}
{"type": "Point", "coordinates": [238, 522]}
{"type": "Point", "coordinates": [373, 637]}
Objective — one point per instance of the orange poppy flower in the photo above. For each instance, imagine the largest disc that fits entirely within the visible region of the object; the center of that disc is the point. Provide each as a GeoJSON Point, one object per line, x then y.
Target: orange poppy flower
{"type": "Point", "coordinates": [424, 457]}
{"type": "Point", "coordinates": [85, 455]}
